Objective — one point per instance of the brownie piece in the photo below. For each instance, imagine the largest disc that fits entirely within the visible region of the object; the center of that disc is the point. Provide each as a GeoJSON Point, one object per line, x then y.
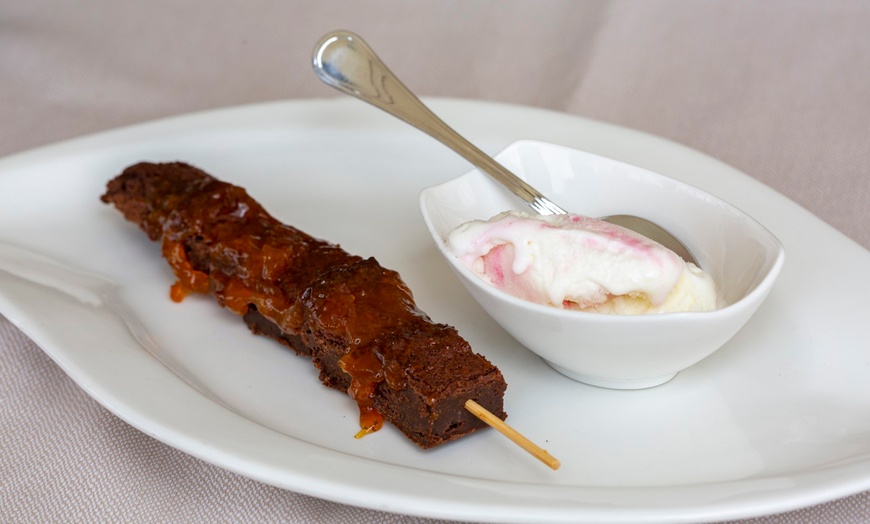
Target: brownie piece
{"type": "Point", "coordinates": [356, 320]}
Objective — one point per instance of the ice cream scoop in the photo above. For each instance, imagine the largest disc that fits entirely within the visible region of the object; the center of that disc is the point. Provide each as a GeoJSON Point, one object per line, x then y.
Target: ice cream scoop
{"type": "Point", "coordinates": [582, 263]}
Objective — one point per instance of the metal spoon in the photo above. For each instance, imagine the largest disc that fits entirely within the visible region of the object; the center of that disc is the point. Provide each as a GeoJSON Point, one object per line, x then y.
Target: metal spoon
{"type": "Point", "coordinates": [344, 61]}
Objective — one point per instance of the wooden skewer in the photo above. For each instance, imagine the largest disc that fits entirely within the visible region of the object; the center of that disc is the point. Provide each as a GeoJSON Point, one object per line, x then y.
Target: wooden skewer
{"type": "Point", "coordinates": [483, 414]}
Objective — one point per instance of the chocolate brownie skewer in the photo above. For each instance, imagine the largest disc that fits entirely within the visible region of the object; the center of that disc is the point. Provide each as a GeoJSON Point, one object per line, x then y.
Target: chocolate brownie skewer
{"type": "Point", "coordinates": [357, 320]}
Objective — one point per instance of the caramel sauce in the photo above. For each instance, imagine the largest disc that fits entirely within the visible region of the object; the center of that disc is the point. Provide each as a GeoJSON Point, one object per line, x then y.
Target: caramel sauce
{"type": "Point", "coordinates": [366, 372]}
{"type": "Point", "coordinates": [298, 282]}
{"type": "Point", "coordinates": [189, 279]}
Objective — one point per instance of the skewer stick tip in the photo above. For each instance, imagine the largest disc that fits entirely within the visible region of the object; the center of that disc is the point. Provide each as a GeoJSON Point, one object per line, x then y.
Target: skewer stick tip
{"type": "Point", "coordinates": [536, 451]}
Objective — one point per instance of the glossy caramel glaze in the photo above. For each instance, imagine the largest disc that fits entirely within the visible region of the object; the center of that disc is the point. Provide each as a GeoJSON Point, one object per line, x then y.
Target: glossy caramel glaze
{"type": "Point", "coordinates": [358, 320]}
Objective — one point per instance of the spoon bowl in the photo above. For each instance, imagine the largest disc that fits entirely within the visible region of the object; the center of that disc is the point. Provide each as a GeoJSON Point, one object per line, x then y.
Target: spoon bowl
{"type": "Point", "coordinates": [345, 61]}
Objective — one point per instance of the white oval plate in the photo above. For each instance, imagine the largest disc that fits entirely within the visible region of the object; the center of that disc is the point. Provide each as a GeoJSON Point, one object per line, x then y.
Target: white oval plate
{"type": "Point", "coordinates": [777, 419]}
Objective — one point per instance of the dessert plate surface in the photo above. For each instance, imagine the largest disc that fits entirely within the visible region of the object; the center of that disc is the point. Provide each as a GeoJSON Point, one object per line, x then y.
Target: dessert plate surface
{"type": "Point", "coordinates": [777, 419]}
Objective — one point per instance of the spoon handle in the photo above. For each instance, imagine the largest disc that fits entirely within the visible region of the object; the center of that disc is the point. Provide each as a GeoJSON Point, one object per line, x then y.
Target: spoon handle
{"type": "Point", "coordinates": [344, 61]}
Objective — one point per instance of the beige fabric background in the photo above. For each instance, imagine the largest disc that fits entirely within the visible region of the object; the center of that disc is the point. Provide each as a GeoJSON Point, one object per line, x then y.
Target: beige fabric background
{"type": "Point", "coordinates": [778, 89]}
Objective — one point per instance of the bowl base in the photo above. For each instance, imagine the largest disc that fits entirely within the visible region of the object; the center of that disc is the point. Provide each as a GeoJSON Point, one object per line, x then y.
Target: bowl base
{"type": "Point", "coordinates": [610, 383]}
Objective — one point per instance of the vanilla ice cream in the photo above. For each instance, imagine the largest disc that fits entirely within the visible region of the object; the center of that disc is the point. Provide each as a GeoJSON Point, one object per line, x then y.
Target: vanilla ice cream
{"type": "Point", "coordinates": [576, 262]}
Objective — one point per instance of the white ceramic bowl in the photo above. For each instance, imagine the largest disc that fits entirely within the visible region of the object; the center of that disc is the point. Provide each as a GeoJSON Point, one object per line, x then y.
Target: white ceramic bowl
{"type": "Point", "coordinates": [624, 352]}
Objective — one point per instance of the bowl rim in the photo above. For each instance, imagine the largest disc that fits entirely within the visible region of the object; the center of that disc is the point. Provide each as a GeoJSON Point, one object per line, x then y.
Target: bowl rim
{"type": "Point", "coordinates": [749, 300]}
